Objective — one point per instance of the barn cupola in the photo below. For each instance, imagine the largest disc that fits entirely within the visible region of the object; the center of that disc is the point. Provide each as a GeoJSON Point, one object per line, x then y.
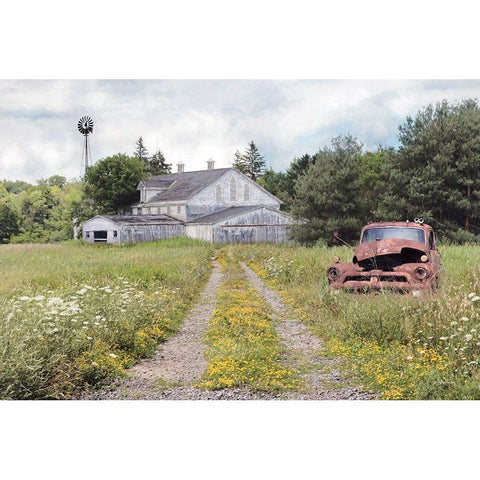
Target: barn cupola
{"type": "Point", "coordinates": [210, 164]}
{"type": "Point", "coordinates": [180, 167]}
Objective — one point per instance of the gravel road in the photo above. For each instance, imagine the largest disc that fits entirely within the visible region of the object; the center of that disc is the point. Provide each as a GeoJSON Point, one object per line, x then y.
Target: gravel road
{"type": "Point", "coordinates": [179, 362]}
{"type": "Point", "coordinates": [303, 352]}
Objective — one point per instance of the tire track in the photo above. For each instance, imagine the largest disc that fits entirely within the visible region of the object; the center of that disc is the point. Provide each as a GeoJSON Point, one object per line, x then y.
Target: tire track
{"type": "Point", "coordinates": [303, 352]}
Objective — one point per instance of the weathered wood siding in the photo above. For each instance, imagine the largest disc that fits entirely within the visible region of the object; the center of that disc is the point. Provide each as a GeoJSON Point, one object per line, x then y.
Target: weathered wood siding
{"type": "Point", "coordinates": [201, 232]}
{"type": "Point", "coordinates": [209, 201]}
{"type": "Point", "coordinates": [251, 234]}
{"type": "Point", "coordinates": [261, 225]}
{"type": "Point", "coordinates": [150, 233]}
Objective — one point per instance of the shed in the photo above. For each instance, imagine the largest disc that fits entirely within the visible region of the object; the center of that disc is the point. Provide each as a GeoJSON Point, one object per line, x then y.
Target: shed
{"type": "Point", "coordinates": [131, 228]}
{"type": "Point", "coordinates": [249, 224]}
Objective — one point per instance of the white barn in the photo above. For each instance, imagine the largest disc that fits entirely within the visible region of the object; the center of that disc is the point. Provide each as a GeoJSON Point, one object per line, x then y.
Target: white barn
{"type": "Point", "coordinates": [216, 205]}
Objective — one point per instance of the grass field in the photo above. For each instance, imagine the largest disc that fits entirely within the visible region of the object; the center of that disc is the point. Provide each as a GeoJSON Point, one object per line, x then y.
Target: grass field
{"type": "Point", "coordinates": [399, 346]}
{"type": "Point", "coordinates": [73, 315]}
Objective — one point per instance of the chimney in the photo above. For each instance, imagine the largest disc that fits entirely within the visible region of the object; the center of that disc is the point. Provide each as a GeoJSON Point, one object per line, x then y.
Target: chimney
{"type": "Point", "coordinates": [211, 164]}
{"type": "Point", "coordinates": [180, 167]}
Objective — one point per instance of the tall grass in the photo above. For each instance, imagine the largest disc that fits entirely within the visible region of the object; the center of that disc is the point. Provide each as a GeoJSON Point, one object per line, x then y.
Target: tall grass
{"type": "Point", "coordinates": [73, 314]}
{"type": "Point", "coordinates": [401, 346]}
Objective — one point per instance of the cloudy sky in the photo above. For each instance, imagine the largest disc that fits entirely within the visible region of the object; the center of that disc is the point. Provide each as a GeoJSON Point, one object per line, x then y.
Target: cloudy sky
{"type": "Point", "coordinates": [194, 120]}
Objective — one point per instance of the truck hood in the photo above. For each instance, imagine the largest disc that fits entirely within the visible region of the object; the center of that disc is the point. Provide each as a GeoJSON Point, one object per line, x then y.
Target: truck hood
{"type": "Point", "coordinates": [386, 247]}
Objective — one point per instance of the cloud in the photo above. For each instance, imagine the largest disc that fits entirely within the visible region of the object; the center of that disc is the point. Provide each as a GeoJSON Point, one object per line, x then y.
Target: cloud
{"type": "Point", "coordinates": [193, 120]}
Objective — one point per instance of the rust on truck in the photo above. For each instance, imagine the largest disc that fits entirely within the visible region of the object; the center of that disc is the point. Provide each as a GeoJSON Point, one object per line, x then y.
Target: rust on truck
{"type": "Point", "coordinates": [390, 255]}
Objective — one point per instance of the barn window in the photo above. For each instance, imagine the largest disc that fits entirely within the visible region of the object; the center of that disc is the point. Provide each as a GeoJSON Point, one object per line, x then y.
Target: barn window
{"type": "Point", "coordinates": [115, 234]}
{"type": "Point", "coordinates": [246, 193]}
{"type": "Point", "coordinates": [233, 189]}
{"type": "Point", "coordinates": [218, 193]}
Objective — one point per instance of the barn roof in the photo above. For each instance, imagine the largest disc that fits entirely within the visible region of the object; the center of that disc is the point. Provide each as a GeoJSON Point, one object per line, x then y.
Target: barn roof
{"type": "Point", "coordinates": [227, 213]}
{"type": "Point", "coordinates": [139, 219]}
{"type": "Point", "coordinates": [182, 186]}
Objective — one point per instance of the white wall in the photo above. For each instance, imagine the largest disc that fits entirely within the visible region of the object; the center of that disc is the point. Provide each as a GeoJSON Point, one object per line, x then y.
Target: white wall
{"type": "Point", "coordinates": [100, 224]}
{"type": "Point", "coordinates": [206, 202]}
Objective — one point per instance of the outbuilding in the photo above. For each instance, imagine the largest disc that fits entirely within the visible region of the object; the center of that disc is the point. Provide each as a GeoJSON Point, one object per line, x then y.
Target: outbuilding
{"type": "Point", "coordinates": [131, 228]}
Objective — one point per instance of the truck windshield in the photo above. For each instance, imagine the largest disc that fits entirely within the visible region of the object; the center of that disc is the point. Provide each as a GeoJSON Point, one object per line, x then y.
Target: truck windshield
{"type": "Point", "coordinates": [383, 233]}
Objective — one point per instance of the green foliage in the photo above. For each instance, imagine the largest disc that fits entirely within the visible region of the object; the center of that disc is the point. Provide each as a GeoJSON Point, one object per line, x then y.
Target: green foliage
{"type": "Point", "coordinates": [112, 182]}
{"type": "Point", "coordinates": [53, 181]}
{"type": "Point", "coordinates": [141, 153]}
{"type": "Point", "coordinates": [435, 174]}
{"type": "Point", "coordinates": [276, 184]}
{"type": "Point", "coordinates": [250, 163]}
{"type": "Point", "coordinates": [328, 195]}
{"type": "Point", "coordinates": [157, 165]}
{"type": "Point", "coordinates": [8, 222]}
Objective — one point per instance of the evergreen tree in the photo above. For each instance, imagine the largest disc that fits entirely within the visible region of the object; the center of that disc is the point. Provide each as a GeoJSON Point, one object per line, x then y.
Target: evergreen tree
{"type": "Point", "coordinates": [254, 161]}
{"type": "Point", "coordinates": [328, 195]}
{"type": "Point", "coordinates": [240, 162]}
{"type": "Point", "coordinates": [157, 165]}
{"type": "Point", "coordinates": [435, 174]}
{"type": "Point", "coordinates": [140, 151]}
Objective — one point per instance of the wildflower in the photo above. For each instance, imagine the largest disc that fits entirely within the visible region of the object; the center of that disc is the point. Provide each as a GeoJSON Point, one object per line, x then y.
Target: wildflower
{"type": "Point", "coordinates": [453, 323]}
{"type": "Point", "coordinates": [464, 319]}
{"type": "Point", "coordinates": [89, 338]}
{"type": "Point", "coordinates": [443, 338]}
{"type": "Point", "coordinates": [112, 355]}
{"type": "Point", "coordinates": [468, 337]}
{"type": "Point", "coordinates": [38, 298]}
{"type": "Point", "coordinates": [94, 364]}
{"type": "Point", "coordinates": [81, 291]}
{"type": "Point", "coordinates": [24, 299]}
{"type": "Point", "coordinates": [471, 295]}
{"type": "Point", "coordinates": [409, 357]}
{"type": "Point", "coordinates": [474, 299]}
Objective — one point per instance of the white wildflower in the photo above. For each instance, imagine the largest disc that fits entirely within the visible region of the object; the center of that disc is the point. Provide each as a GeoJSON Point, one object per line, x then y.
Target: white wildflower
{"type": "Point", "coordinates": [81, 291]}
{"type": "Point", "coordinates": [89, 338]}
{"type": "Point", "coordinates": [112, 355]}
{"type": "Point", "coordinates": [409, 358]}
{"type": "Point", "coordinates": [471, 295]}
{"type": "Point", "coordinates": [94, 364]}
{"type": "Point", "coordinates": [468, 337]}
{"type": "Point", "coordinates": [24, 299]}
{"type": "Point", "coordinates": [443, 338]}
{"type": "Point", "coordinates": [453, 323]}
{"type": "Point", "coordinates": [464, 319]}
{"type": "Point", "coordinates": [38, 298]}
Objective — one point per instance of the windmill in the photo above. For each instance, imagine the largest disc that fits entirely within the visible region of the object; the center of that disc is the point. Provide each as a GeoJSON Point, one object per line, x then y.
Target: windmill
{"type": "Point", "coordinates": [85, 127]}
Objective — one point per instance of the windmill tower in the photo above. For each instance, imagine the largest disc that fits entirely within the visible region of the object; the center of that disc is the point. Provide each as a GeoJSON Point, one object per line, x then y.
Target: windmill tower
{"type": "Point", "coordinates": [85, 127]}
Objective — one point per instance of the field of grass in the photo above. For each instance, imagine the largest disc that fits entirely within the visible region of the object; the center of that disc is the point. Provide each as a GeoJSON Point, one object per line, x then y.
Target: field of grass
{"type": "Point", "coordinates": [73, 314]}
{"type": "Point", "coordinates": [393, 344]}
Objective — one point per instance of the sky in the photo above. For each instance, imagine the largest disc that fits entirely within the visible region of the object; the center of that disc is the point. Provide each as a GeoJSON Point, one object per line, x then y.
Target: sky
{"type": "Point", "coordinates": [191, 121]}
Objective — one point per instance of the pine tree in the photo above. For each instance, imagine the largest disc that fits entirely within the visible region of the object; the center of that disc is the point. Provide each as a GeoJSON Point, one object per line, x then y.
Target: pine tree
{"type": "Point", "coordinates": [140, 151]}
{"type": "Point", "coordinates": [157, 165]}
{"type": "Point", "coordinates": [253, 164]}
{"type": "Point", "coordinates": [240, 163]}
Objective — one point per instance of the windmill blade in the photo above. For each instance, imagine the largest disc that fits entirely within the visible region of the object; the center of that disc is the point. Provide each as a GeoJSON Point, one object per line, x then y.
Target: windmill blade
{"type": "Point", "coordinates": [85, 125]}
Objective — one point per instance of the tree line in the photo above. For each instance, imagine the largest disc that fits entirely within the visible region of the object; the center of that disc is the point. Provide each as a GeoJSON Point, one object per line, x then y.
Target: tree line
{"type": "Point", "coordinates": [434, 173]}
